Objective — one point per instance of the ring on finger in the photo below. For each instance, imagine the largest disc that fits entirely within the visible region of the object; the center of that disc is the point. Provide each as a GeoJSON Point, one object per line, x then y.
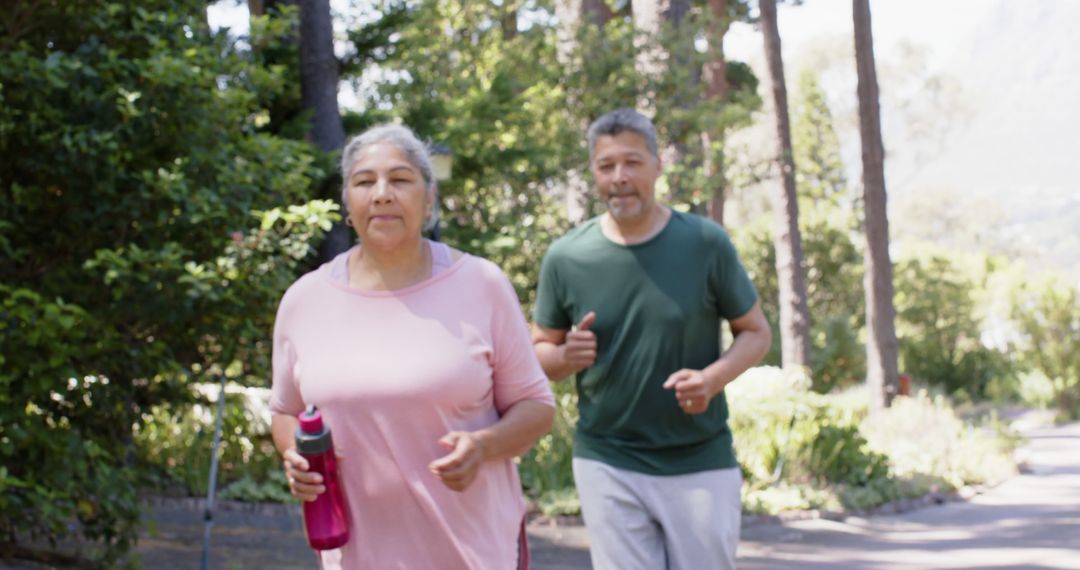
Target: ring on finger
{"type": "Point", "coordinates": [689, 403]}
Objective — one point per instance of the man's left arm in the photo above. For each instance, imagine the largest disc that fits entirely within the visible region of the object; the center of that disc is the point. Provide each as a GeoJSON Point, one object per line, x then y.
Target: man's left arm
{"type": "Point", "coordinates": [752, 339]}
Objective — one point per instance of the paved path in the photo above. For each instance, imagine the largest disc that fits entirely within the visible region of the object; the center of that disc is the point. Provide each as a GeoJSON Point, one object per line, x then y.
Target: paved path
{"type": "Point", "coordinates": [274, 540]}
{"type": "Point", "coordinates": [270, 541]}
{"type": "Point", "coordinates": [1030, 521]}
{"type": "Point", "coordinates": [270, 537]}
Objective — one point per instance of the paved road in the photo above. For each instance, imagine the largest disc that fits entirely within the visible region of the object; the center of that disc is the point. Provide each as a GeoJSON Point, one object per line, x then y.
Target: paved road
{"type": "Point", "coordinates": [1031, 521]}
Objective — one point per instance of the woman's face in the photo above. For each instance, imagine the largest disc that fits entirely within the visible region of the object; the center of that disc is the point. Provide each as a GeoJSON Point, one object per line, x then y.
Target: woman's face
{"type": "Point", "coordinates": [387, 198]}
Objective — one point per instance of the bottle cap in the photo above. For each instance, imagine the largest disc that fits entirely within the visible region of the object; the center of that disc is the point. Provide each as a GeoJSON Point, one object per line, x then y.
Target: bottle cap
{"type": "Point", "coordinates": [311, 420]}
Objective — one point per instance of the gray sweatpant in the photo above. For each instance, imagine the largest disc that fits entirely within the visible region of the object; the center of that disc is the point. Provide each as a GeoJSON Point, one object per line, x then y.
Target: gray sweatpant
{"type": "Point", "coordinates": [656, 522]}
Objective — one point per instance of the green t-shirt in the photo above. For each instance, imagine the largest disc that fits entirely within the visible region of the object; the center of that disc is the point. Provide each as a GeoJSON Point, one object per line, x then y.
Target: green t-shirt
{"type": "Point", "coordinates": [659, 306]}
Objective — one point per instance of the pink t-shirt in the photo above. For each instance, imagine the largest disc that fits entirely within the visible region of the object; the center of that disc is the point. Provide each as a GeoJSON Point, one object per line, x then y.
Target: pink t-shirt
{"type": "Point", "coordinates": [394, 371]}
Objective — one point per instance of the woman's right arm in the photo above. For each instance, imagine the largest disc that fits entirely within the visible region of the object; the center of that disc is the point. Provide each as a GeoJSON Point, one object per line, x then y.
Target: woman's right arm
{"type": "Point", "coordinates": [303, 484]}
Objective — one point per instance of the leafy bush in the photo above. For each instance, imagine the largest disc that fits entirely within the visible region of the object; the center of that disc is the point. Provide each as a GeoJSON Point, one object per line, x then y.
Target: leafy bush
{"type": "Point", "coordinates": [766, 405]}
{"type": "Point", "coordinates": [939, 328]}
{"type": "Point", "coordinates": [786, 497]}
{"type": "Point", "coordinates": [799, 449]}
{"type": "Point", "coordinates": [62, 453]}
{"type": "Point", "coordinates": [838, 356]}
{"type": "Point", "coordinates": [559, 502]}
{"type": "Point", "coordinates": [546, 470]}
{"type": "Point", "coordinates": [839, 454]}
{"type": "Point", "coordinates": [924, 436]}
{"type": "Point", "coordinates": [273, 488]}
{"type": "Point", "coordinates": [132, 164]}
{"type": "Point", "coordinates": [176, 441]}
{"type": "Point", "coordinates": [1036, 390]}
{"type": "Point", "coordinates": [876, 492]}
{"type": "Point", "coordinates": [1047, 314]}
{"type": "Point", "coordinates": [784, 431]}
{"type": "Point", "coordinates": [834, 293]}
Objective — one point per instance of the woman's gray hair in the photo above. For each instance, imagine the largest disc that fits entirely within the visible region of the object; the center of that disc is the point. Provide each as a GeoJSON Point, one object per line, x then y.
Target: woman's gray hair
{"type": "Point", "coordinates": [415, 151]}
{"type": "Point", "coordinates": [620, 120]}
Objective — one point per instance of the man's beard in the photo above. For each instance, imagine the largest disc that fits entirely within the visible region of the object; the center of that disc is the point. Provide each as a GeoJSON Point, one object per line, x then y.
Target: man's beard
{"type": "Point", "coordinates": [631, 206]}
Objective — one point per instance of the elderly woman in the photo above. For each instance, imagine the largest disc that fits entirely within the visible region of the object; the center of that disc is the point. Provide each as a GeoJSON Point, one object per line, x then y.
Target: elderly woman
{"type": "Point", "coordinates": [420, 359]}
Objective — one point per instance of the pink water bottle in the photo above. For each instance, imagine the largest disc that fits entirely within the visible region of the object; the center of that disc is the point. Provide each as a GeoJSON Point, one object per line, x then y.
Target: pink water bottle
{"type": "Point", "coordinates": [324, 518]}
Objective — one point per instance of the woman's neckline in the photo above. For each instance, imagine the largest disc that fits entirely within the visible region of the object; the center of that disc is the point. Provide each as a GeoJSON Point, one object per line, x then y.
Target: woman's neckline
{"type": "Point", "coordinates": [342, 260]}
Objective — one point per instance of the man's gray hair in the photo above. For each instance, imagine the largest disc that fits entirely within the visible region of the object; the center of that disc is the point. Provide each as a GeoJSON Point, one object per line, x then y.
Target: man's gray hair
{"type": "Point", "coordinates": [620, 120]}
{"type": "Point", "coordinates": [415, 151]}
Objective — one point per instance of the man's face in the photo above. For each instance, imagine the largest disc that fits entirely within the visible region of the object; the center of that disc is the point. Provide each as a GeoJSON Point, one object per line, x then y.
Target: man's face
{"type": "Point", "coordinates": [625, 173]}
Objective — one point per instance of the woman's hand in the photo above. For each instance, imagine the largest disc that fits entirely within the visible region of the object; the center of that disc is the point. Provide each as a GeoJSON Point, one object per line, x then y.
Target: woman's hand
{"type": "Point", "coordinates": [303, 484]}
{"type": "Point", "coordinates": [458, 469]}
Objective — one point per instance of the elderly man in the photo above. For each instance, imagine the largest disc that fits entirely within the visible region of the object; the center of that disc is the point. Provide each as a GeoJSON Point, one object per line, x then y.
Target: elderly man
{"type": "Point", "coordinates": [632, 302]}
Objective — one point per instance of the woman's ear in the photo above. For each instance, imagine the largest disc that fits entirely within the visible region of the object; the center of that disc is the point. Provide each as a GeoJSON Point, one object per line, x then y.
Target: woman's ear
{"type": "Point", "coordinates": [429, 205]}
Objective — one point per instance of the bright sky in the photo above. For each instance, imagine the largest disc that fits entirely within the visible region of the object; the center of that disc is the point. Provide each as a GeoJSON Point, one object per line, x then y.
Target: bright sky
{"type": "Point", "coordinates": [229, 13]}
{"type": "Point", "coordinates": [937, 24]}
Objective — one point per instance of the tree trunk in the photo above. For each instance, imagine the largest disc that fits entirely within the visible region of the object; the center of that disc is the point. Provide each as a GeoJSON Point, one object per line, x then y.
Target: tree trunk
{"type": "Point", "coordinates": [508, 20]}
{"type": "Point", "coordinates": [597, 12]}
{"type": "Point", "coordinates": [318, 91]}
{"type": "Point", "coordinates": [715, 76]}
{"type": "Point", "coordinates": [319, 74]}
{"type": "Point", "coordinates": [649, 19]}
{"type": "Point", "coordinates": [663, 44]}
{"type": "Point", "coordinates": [882, 375]}
{"type": "Point", "coordinates": [794, 314]}
{"type": "Point", "coordinates": [571, 14]}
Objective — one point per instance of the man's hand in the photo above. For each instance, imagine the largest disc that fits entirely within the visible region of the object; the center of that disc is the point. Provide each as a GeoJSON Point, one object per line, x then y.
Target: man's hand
{"type": "Point", "coordinates": [457, 469]}
{"type": "Point", "coordinates": [579, 351]}
{"type": "Point", "coordinates": [693, 390]}
{"type": "Point", "coordinates": [563, 352]}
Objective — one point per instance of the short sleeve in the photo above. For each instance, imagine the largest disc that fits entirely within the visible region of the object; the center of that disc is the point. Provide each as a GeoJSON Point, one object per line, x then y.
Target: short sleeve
{"type": "Point", "coordinates": [734, 292]}
{"type": "Point", "coordinates": [549, 310]}
{"type": "Point", "coordinates": [516, 369]}
{"type": "Point", "coordinates": [285, 395]}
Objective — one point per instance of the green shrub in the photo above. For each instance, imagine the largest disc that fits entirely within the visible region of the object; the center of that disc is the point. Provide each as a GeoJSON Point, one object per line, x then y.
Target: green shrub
{"type": "Point", "coordinates": [939, 328]}
{"type": "Point", "coordinates": [876, 492]}
{"type": "Point", "coordinates": [834, 292]}
{"type": "Point", "coordinates": [133, 162]}
{"type": "Point", "coordinates": [1047, 315]}
{"type": "Point", "coordinates": [62, 452]}
{"type": "Point", "coordinates": [839, 454]}
{"type": "Point", "coordinates": [924, 436]}
{"type": "Point", "coordinates": [799, 449]}
{"type": "Point", "coordinates": [839, 358]}
{"type": "Point", "coordinates": [784, 430]}
{"type": "Point", "coordinates": [559, 502]}
{"type": "Point", "coordinates": [273, 488]}
{"type": "Point", "coordinates": [176, 441]}
{"type": "Point", "coordinates": [1036, 390]}
{"type": "Point", "coordinates": [766, 407]}
{"type": "Point", "coordinates": [786, 497]}
{"type": "Point", "coordinates": [546, 470]}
